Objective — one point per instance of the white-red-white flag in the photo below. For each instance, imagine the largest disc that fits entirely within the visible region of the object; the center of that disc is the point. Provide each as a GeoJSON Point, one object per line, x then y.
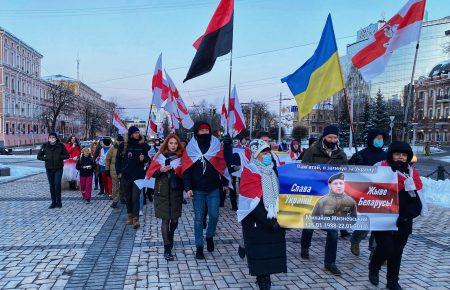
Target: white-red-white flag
{"type": "Point", "coordinates": [118, 123]}
{"type": "Point", "coordinates": [152, 127]}
{"type": "Point", "coordinates": [176, 106]}
{"type": "Point", "coordinates": [236, 122]}
{"type": "Point", "coordinates": [224, 116]}
{"type": "Point", "coordinates": [159, 86]}
{"type": "Point", "coordinates": [403, 28]}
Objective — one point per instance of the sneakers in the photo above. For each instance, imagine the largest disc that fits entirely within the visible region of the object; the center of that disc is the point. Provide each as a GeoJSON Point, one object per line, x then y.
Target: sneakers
{"type": "Point", "coordinates": [199, 254]}
{"type": "Point", "coordinates": [333, 269]}
{"type": "Point", "coordinates": [210, 244]}
{"type": "Point", "coordinates": [241, 252]}
{"type": "Point", "coordinates": [136, 224]}
{"type": "Point", "coordinates": [114, 204]}
{"type": "Point", "coordinates": [393, 286]}
{"type": "Point", "coordinates": [354, 248]}
{"type": "Point", "coordinates": [304, 253]}
{"type": "Point", "coordinates": [374, 277]}
{"type": "Point", "coordinates": [141, 213]}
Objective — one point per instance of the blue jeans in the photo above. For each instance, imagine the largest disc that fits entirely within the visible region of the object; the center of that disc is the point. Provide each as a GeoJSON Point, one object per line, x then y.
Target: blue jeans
{"type": "Point", "coordinates": [141, 199]}
{"type": "Point", "coordinates": [54, 179]}
{"type": "Point", "coordinates": [330, 244]}
{"type": "Point", "coordinates": [212, 201]}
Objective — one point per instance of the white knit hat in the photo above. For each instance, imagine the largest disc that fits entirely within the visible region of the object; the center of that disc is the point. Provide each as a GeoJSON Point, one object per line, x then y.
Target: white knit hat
{"type": "Point", "coordinates": [257, 146]}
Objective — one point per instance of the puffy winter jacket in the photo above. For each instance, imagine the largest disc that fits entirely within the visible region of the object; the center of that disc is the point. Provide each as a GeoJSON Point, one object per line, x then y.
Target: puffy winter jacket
{"type": "Point", "coordinates": [53, 155]}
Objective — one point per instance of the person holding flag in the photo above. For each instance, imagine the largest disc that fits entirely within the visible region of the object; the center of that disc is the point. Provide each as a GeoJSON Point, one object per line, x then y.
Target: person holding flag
{"type": "Point", "coordinates": [168, 200]}
{"type": "Point", "coordinates": [204, 169]}
{"type": "Point", "coordinates": [264, 239]}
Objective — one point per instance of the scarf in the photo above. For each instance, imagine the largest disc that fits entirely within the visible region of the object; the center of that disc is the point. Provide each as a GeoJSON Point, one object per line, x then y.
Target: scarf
{"type": "Point", "coordinates": [270, 188]}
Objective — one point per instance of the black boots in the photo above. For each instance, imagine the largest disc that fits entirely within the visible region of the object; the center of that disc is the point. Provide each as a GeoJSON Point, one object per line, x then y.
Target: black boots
{"type": "Point", "coordinates": [263, 282]}
{"type": "Point", "coordinates": [374, 277]}
{"type": "Point", "coordinates": [168, 253]}
{"type": "Point", "coordinates": [199, 254]}
{"type": "Point", "coordinates": [241, 252]}
{"type": "Point", "coordinates": [333, 269]}
{"type": "Point", "coordinates": [393, 286]}
{"type": "Point", "coordinates": [210, 244]}
{"type": "Point", "coordinates": [304, 253]}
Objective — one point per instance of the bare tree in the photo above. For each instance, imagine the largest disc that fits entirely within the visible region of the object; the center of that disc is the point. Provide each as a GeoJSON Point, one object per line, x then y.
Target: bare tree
{"type": "Point", "coordinates": [61, 101]}
{"type": "Point", "coordinates": [299, 133]}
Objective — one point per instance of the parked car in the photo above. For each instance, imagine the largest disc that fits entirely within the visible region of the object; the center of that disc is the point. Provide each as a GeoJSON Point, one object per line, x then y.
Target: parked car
{"type": "Point", "coordinates": [4, 151]}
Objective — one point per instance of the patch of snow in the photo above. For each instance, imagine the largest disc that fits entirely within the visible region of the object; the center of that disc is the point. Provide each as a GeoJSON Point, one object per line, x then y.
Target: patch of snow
{"type": "Point", "coordinates": [436, 191]}
{"type": "Point", "coordinates": [20, 172]}
{"type": "Point", "coordinates": [30, 157]}
{"type": "Point", "coordinates": [419, 149]}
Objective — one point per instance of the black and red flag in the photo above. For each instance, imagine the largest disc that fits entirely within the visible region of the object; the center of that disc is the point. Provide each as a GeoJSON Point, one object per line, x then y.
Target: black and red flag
{"type": "Point", "coordinates": [215, 42]}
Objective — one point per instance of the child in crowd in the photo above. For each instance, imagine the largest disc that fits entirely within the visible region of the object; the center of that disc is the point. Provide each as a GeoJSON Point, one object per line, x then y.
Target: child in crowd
{"type": "Point", "coordinates": [86, 166]}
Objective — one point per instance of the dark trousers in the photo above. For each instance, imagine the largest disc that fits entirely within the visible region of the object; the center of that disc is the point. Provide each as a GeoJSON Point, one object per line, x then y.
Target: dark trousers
{"type": "Point", "coordinates": [101, 182]}
{"type": "Point", "coordinates": [54, 179]}
{"type": "Point", "coordinates": [358, 236]}
{"type": "Point", "coordinates": [389, 247]}
{"type": "Point", "coordinates": [132, 197]}
{"type": "Point", "coordinates": [330, 245]}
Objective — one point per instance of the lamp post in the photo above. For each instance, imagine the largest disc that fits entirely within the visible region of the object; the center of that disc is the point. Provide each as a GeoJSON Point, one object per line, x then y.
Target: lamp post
{"type": "Point", "coordinates": [391, 125]}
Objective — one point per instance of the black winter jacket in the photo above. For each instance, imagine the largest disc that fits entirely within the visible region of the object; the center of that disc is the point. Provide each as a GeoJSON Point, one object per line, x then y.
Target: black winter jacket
{"type": "Point", "coordinates": [410, 207]}
{"type": "Point", "coordinates": [369, 155]}
{"type": "Point", "coordinates": [265, 245]}
{"type": "Point", "coordinates": [53, 155]}
{"type": "Point", "coordinates": [127, 160]}
{"type": "Point", "coordinates": [86, 165]}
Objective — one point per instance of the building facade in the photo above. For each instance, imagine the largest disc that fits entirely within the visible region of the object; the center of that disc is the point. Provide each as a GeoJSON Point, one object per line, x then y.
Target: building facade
{"type": "Point", "coordinates": [22, 93]}
{"type": "Point", "coordinates": [321, 116]}
{"type": "Point", "coordinates": [432, 105]}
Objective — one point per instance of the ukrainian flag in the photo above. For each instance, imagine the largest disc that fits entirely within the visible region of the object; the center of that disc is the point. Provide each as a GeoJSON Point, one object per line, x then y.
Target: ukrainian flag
{"type": "Point", "coordinates": [320, 77]}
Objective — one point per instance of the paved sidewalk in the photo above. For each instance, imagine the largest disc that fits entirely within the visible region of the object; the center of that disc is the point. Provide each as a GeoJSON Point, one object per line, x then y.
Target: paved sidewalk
{"type": "Point", "coordinates": [88, 246]}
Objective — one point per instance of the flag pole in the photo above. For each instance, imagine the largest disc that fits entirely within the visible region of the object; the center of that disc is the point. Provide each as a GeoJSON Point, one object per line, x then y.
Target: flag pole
{"type": "Point", "coordinates": [229, 83]}
{"type": "Point", "coordinates": [410, 92]}
{"type": "Point", "coordinates": [352, 128]}
{"type": "Point", "coordinates": [149, 114]}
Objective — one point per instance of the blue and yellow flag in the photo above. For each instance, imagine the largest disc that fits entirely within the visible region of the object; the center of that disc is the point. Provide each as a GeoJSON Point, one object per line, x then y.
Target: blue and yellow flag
{"type": "Point", "coordinates": [320, 77]}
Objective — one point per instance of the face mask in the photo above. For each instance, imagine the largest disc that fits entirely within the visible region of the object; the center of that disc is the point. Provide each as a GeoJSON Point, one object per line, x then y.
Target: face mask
{"type": "Point", "coordinates": [267, 160]}
{"type": "Point", "coordinates": [400, 166]}
{"type": "Point", "coordinates": [377, 143]}
{"type": "Point", "coordinates": [204, 138]}
{"type": "Point", "coordinates": [329, 145]}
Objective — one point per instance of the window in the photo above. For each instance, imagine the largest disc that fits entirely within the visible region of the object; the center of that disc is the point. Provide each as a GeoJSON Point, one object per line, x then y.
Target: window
{"type": "Point", "coordinates": [430, 113]}
{"type": "Point", "coordinates": [13, 129]}
{"type": "Point", "coordinates": [7, 105]}
{"type": "Point", "coordinates": [438, 113]}
{"type": "Point", "coordinates": [421, 94]}
{"type": "Point", "coordinates": [431, 94]}
{"type": "Point", "coordinates": [7, 128]}
{"type": "Point", "coordinates": [7, 82]}
{"type": "Point", "coordinates": [13, 85]}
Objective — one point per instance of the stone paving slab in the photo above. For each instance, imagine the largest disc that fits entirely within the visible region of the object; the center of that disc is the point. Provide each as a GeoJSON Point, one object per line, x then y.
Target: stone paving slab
{"type": "Point", "coordinates": [88, 247]}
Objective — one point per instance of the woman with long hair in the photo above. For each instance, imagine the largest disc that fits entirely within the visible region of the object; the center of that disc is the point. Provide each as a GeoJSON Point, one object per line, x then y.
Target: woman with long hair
{"type": "Point", "coordinates": [70, 172]}
{"type": "Point", "coordinates": [168, 194]}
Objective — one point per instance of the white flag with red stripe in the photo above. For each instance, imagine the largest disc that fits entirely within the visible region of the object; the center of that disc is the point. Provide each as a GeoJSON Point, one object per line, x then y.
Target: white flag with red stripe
{"type": "Point", "coordinates": [176, 107]}
{"type": "Point", "coordinates": [236, 122]}
{"type": "Point", "coordinates": [118, 123]}
{"type": "Point", "coordinates": [159, 86]}
{"type": "Point", "coordinates": [214, 155]}
{"type": "Point", "coordinates": [402, 29]}
{"type": "Point", "coordinates": [224, 116]}
{"type": "Point", "coordinates": [152, 127]}
{"type": "Point", "coordinates": [159, 161]}
{"type": "Point", "coordinates": [250, 191]}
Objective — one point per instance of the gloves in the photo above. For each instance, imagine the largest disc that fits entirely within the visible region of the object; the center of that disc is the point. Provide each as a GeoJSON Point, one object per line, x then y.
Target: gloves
{"type": "Point", "coordinates": [227, 139]}
{"type": "Point", "coordinates": [108, 173]}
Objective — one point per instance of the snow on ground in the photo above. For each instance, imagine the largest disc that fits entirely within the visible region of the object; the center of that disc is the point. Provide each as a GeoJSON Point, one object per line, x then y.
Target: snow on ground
{"type": "Point", "coordinates": [20, 172]}
{"type": "Point", "coordinates": [30, 157]}
{"type": "Point", "coordinates": [436, 191]}
{"type": "Point", "coordinates": [26, 148]}
{"type": "Point", "coordinates": [419, 149]}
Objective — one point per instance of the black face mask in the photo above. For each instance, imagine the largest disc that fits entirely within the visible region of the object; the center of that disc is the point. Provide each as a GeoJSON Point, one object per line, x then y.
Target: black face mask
{"type": "Point", "coordinates": [203, 139]}
{"type": "Point", "coordinates": [329, 145]}
{"type": "Point", "coordinates": [399, 166]}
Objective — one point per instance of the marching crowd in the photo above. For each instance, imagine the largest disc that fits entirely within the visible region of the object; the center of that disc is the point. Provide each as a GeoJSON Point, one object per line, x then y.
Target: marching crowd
{"type": "Point", "coordinates": [206, 168]}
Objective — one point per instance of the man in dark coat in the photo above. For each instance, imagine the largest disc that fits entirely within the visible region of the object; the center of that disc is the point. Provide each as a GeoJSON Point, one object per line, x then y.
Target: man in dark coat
{"type": "Point", "coordinates": [325, 151]}
{"type": "Point", "coordinates": [54, 153]}
{"type": "Point", "coordinates": [203, 181]}
{"type": "Point", "coordinates": [130, 163]}
{"type": "Point", "coordinates": [369, 156]}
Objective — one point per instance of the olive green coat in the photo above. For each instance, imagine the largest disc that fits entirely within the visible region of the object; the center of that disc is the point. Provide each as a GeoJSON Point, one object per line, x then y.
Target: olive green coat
{"type": "Point", "coordinates": [168, 202]}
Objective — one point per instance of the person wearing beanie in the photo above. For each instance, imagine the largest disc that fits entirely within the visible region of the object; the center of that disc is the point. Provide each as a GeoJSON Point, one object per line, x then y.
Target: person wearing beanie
{"type": "Point", "coordinates": [110, 166]}
{"type": "Point", "coordinates": [53, 153]}
{"type": "Point", "coordinates": [369, 156]}
{"type": "Point", "coordinates": [131, 158]}
{"type": "Point", "coordinates": [264, 239]}
{"type": "Point", "coordinates": [390, 244]}
{"type": "Point", "coordinates": [326, 150]}
{"type": "Point", "coordinates": [203, 179]}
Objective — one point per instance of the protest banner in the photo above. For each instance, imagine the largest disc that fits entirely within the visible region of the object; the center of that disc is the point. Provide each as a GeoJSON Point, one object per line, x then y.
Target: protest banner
{"type": "Point", "coordinates": [318, 196]}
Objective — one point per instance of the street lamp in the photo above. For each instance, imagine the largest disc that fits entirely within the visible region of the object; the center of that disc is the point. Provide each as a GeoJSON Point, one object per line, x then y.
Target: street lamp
{"type": "Point", "coordinates": [391, 125]}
